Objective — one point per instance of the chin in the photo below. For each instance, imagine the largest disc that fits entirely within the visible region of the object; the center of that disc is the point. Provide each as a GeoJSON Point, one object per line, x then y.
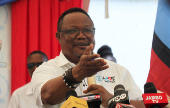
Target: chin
{"type": "Point", "coordinates": [78, 55]}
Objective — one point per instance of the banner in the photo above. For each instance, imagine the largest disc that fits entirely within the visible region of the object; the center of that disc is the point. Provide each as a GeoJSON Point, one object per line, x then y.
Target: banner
{"type": "Point", "coordinates": [3, 2]}
{"type": "Point", "coordinates": [5, 54]}
{"type": "Point", "coordinates": [159, 72]}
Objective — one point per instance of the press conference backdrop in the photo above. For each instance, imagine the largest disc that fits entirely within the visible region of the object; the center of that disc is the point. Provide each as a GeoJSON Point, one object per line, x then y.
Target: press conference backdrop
{"type": "Point", "coordinates": [128, 30]}
{"type": "Point", "coordinates": [5, 54]}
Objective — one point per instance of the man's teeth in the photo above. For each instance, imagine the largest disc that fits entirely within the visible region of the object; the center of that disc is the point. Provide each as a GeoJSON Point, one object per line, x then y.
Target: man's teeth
{"type": "Point", "coordinates": [81, 44]}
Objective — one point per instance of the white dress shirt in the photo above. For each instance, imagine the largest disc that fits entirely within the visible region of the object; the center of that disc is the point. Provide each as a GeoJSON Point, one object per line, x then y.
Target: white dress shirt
{"type": "Point", "coordinates": [23, 98]}
{"type": "Point", "coordinates": [108, 78]}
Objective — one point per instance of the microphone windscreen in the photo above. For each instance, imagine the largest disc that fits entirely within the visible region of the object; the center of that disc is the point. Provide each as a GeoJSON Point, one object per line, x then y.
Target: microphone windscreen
{"type": "Point", "coordinates": [71, 93]}
{"type": "Point", "coordinates": [119, 87]}
{"type": "Point", "coordinates": [150, 88]}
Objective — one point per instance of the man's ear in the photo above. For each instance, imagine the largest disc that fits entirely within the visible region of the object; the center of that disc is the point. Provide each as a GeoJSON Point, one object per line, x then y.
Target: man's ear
{"type": "Point", "coordinates": [58, 36]}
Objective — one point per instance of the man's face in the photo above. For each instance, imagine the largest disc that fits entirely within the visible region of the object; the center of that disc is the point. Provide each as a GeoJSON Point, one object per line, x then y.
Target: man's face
{"type": "Point", "coordinates": [34, 59]}
{"type": "Point", "coordinates": [74, 48]}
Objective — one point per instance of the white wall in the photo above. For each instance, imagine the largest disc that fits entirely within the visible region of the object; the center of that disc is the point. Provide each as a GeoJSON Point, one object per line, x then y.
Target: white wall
{"type": "Point", "coordinates": [5, 54]}
{"type": "Point", "coordinates": [128, 31]}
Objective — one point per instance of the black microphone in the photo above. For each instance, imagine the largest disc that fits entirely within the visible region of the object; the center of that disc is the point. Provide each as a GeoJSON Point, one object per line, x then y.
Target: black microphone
{"type": "Point", "coordinates": [150, 88]}
{"type": "Point", "coordinates": [71, 93]}
{"type": "Point", "coordinates": [152, 99]}
{"type": "Point", "coordinates": [93, 100]}
{"type": "Point", "coordinates": [120, 96]}
{"type": "Point", "coordinates": [72, 101]}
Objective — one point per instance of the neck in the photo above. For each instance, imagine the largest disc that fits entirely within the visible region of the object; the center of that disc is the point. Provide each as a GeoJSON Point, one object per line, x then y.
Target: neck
{"type": "Point", "coordinates": [74, 59]}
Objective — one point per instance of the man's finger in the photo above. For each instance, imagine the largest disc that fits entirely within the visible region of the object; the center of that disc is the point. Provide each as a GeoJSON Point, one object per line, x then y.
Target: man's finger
{"type": "Point", "coordinates": [88, 50]}
{"type": "Point", "coordinates": [90, 57]}
{"type": "Point", "coordinates": [91, 88]}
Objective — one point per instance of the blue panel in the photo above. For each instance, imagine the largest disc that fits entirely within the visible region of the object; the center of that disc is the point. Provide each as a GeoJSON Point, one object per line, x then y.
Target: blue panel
{"type": "Point", "coordinates": [2, 2]}
{"type": "Point", "coordinates": [162, 24]}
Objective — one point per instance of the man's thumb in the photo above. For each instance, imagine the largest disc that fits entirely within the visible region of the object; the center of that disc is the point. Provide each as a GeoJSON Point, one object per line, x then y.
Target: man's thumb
{"type": "Point", "coordinates": [88, 50]}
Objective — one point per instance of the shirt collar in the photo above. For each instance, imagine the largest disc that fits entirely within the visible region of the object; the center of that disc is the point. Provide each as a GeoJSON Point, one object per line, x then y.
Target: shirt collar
{"type": "Point", "coordinates": [63, 60]}
{"type": "Point", "coordinates": [29, 89]}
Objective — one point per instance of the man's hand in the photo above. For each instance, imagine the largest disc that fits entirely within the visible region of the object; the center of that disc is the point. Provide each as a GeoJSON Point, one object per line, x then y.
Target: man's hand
{"type": "Point", "coordinates": [88, 65]}
{"type": "Point", "coordinates": [100, 89]}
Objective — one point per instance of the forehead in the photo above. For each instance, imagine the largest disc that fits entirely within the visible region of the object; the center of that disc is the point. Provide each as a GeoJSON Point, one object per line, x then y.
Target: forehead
{"type": "Point", "coordinates": [34, 58]}
{"type": "Point", "coordinates": [76, 19]}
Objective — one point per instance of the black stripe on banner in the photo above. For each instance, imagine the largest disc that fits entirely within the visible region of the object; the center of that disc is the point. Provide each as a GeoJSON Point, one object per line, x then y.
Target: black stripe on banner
{"type": "Point", "coordinates": [161, 50]}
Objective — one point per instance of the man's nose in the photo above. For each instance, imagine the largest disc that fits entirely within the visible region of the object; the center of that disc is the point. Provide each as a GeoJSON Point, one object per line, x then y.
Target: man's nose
{"type": "Point", "coordinates": [81, 35]}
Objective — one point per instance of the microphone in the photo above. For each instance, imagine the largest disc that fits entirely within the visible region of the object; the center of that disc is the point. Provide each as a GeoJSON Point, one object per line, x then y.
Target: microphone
{"type": "Point", "coordinates": [152, 99]}
{"type": "Point", "coordinates": [73, 102]}
{"type": "Point", "coordinates": [120, 97]}
{"type": "Point", "coordinates": [91, 80]}
{"type": "Point", "coordinates": [93, 100]}
{"type": "Point", "coordinates": [120, 105]}
{"type": "Point", "coordinates": [71, 93]}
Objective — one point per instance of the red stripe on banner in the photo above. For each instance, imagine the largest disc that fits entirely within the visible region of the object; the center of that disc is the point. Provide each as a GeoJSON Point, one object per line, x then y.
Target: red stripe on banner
{"type": "Point", "coordinates": [54, 19]}
{"type": "Point", "coordinates": [45, 26]}
{"type": "Point", "coordinates": [159, 74]}
{"type": "Point", "coordinates": [85, 5]}
{"type": "Point", "coordinates": [33, 25]}
{"type": "Point", "coordinates": [19, 44]}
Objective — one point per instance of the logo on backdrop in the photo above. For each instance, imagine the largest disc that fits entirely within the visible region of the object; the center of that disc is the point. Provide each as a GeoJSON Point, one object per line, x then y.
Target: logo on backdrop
{"type": "Point", "coordinates": [0, 44]}
{"type": "Point", "coordinates": [4, 17]}
{"type": "Point", "coordinates": [1, 27]}
{"type": "Point", "coordinates": [106, 79]}
{"type": "Point", "coordinates": [4, 89]}
{"type": "Point", "coordinates": [1, 55]}
{"type": "Point", "coordinates": [4, 83]}
{"type": "Point", "coordinates": [2, 64]}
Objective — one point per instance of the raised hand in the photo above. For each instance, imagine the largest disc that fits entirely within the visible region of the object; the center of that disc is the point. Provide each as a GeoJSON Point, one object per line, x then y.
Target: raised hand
{"type": "Point", "coordinates": [88, 65]}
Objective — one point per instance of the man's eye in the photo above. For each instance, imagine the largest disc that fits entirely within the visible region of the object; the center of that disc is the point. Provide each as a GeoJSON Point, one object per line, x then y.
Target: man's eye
{"type": "Point", "coordinates": [71, 31]}
{"type": "Point", "coordinates": [88, 30]}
